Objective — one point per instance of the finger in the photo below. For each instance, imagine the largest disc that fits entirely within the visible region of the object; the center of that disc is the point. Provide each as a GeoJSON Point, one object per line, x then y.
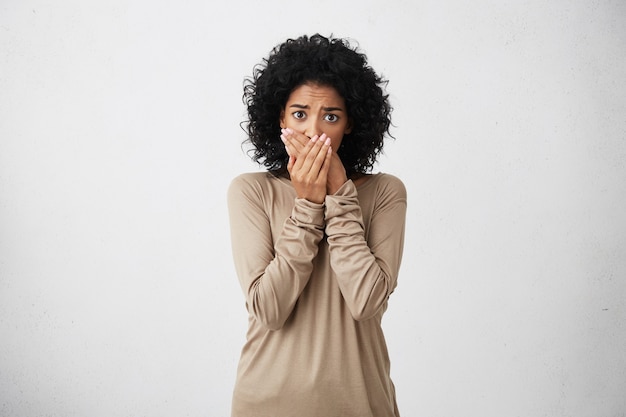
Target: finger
{"type": "Point", "coordinates": [311, 152]}
{"type": "Point", "coordinates": [294, 147]}
{"type": "Point", "coordinates": [299, 137]}
{"type": "Point", "coordinates": [288, 147]}
{"type": "Point", "coordinates": [307, 155]}
{"type": "Point", "coordinates": [326, 163]}
{"type": "Point", "coordinates": [291, 146]}
{"type": "Point", "coordinates": [290, 164]}
{"type": "Point", "coordinates": [316, 163]}
{"type": "Point", "coordinates": [297, 140]}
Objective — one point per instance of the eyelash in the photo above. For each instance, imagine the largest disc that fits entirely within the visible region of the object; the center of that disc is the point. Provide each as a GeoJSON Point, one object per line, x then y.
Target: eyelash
{"type": "Point", "coordinates": [299, 115]}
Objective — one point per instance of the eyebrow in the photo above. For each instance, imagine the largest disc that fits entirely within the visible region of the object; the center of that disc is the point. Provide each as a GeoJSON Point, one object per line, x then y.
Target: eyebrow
{"type": "Point", "coordinates": [302, 106]}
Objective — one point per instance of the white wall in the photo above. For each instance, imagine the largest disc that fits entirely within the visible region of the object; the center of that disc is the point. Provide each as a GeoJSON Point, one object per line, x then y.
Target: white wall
{"type": "Point", "coordinates": [119, 133]}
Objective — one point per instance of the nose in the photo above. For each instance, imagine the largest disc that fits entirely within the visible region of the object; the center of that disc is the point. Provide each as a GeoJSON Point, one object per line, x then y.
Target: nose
{"type": "Point", "coordinates": [313, 128]}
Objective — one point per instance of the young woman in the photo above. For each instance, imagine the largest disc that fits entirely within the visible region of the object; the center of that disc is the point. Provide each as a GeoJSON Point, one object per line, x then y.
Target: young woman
{"type": "Point", "coordinates": [317, 239]}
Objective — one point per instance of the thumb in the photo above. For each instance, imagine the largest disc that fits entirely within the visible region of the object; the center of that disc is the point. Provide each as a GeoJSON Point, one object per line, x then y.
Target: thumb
{"type": "Point", "coordinates": [292, 160]}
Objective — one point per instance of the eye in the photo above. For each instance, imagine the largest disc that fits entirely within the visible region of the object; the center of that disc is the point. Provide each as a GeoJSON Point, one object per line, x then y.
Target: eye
{"type": "Point", "coordinates": [298, 115]}
{"type": "Point", "coordinates": [332, 118]}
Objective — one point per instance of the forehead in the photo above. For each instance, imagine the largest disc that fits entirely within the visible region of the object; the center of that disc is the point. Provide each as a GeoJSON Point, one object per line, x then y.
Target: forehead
{"type": "Point", "coordinates": [311, 93]}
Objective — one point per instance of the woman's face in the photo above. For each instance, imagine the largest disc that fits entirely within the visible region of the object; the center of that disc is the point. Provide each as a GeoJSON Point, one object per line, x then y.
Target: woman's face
{"type": "Point", "coordinates": [314, 109]}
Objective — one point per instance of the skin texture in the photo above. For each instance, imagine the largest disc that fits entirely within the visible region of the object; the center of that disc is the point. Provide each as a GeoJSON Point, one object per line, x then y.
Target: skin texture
{"type": "Point", "coordinates": [314, 121]}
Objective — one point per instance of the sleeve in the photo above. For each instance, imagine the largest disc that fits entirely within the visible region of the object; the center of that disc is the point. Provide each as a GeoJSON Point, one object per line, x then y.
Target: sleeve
{"type": "Point", "coordinates": [366, 271]}
{"type": "Point", "coordinates": [272, 277]}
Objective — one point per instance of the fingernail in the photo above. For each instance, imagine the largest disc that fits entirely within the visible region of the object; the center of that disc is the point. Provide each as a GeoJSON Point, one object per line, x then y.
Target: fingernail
{"type": "Point", "coordinates": [314, 138]}
{"type": "Point", "coordinates": [288, 130]}
{"type": "Point", "coordinates": [283, 138]}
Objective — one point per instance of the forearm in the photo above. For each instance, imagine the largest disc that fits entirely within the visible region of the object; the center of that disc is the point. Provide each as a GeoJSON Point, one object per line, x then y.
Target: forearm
{"type": "Point", "coordinates": [273, 274]}
{"type": "Point", "coordinates": [366, 271]}
{"type": "Point", "coordinates": [272, 296]}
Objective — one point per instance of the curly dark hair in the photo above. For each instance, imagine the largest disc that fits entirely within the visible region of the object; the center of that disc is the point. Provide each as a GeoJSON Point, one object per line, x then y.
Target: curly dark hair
{"type": "Point", "coordinates": [326, 61]}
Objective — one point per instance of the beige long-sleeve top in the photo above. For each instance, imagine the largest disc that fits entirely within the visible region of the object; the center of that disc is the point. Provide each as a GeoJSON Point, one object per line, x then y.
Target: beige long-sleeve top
{"type": "Point", "coordinates": [316, 280]}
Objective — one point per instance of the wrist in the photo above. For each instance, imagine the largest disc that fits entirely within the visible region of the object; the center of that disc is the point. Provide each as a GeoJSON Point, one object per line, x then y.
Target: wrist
{"type": "Point", "coordinates": [335, 185]}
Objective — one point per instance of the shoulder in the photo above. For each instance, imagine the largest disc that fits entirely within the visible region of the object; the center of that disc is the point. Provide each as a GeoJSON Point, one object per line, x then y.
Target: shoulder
{"type": "Point", "coordinates": [250, 181]}
{"type": "Point", "coordinates": [260, 187]}
{"type": "Point", "coordinates": [248, 186]}
{"type": "Point", "coordinates": [389, 186]}
{"type": "Point", "coordinates": [249, 178]}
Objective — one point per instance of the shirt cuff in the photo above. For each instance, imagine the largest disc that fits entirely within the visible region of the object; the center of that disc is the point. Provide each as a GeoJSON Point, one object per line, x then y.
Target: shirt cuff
{"type": "Point", "coordinates": [343, 201]}
{"type": "Point", "coordinates": [306, 213]}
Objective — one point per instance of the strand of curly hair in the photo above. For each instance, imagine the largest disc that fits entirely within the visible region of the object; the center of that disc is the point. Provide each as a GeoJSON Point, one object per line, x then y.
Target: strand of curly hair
{"type": "Point", "coordinates": [324, 61]}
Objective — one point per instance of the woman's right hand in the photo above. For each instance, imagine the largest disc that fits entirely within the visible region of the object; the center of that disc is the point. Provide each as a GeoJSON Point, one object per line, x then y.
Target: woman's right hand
{"type": "Point", "coordinates": [295, 143]}
{"type": "Point", "coordinates": [308, 166]}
